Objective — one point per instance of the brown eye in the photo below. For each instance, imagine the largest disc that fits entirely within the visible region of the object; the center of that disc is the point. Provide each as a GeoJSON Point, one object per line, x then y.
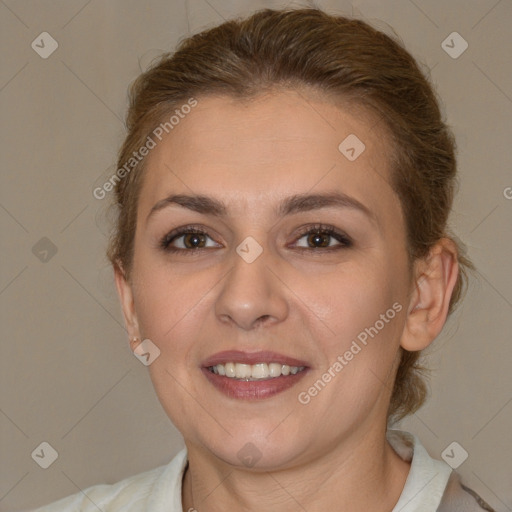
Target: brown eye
{"type": "Point", "coordinates": [322, 237]}
{"type": "Point", "coordinates": [187, 239]}
{"type": "Point", "coordinates": [193, 240]}
{"type": "Point", "coordinates": [319, 239]}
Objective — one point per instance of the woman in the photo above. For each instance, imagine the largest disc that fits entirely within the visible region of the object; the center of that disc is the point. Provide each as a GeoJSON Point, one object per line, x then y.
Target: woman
{"type": "Point", "coordinates": [282, 258]}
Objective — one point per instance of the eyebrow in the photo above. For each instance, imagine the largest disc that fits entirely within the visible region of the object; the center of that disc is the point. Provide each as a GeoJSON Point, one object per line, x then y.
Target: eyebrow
{"type": "Point", "coordinates": [294, 204]}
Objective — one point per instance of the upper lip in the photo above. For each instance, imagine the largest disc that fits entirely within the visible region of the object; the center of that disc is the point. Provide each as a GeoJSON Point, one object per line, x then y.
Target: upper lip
{"type": "Point", "coordinates": [238, 356]}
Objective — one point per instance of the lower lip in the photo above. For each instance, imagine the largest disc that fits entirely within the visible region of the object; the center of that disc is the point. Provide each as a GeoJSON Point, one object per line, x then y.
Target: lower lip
{"type": "Point", "coordinates": [253, 389]}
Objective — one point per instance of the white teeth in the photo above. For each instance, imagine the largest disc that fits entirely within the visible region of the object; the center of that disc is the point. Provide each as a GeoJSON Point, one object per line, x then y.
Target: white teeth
{"type": "Point", "coordinates": [242, 371]}
{"type": "Point", "coordinates": [275, 369]}
{"type": "Point", "coordinates": [259, 371]}
{"type": "Point", "coordinates": [229, 369]}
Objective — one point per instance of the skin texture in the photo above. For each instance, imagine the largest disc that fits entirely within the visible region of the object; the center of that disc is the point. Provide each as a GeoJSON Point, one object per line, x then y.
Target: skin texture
{"type": "Point", "coordinates": [310, 305]}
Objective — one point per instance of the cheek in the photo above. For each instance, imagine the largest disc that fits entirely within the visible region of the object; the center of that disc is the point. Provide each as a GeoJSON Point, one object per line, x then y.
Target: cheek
{"type": "Point", "coordinates": [163, 298]}
{"type": "Point", "coordinates": [363, 310]}
{"type": "Point", "coordinates": [174, 311]}
{"type": "Point", "coordinates": [346, 302]}
{"type": "Point", "coordinates": [171, 311]}
{"type": "Point", "coordinates": [366, 317]}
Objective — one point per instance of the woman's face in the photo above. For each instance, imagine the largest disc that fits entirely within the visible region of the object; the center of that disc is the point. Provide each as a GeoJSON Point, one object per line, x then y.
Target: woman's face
{"type": "Point", "coordinates": [262, 294]}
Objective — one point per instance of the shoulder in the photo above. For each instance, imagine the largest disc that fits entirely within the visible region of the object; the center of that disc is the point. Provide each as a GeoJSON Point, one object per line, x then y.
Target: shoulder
{"type": "Point", "coordinates": [431, 485]}
{"type": "Point", "coordinates": [457, 497]}
{"type": "Point", "coordinates": [138, 493]}
{"type": "Point", "coordinates": [133, 490]}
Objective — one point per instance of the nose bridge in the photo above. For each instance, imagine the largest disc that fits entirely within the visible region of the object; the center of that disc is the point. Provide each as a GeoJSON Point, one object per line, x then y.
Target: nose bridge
{"type": "Point", "coordinates": [251, 293]}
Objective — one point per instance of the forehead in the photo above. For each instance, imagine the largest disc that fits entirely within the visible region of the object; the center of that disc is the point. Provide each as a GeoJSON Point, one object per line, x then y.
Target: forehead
{"type": "Point", "coordinates": [245, 151]}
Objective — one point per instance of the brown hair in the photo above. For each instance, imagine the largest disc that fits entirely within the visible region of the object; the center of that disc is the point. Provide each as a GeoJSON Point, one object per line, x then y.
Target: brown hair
{"type": "Point", "coordinates": [344, 58]}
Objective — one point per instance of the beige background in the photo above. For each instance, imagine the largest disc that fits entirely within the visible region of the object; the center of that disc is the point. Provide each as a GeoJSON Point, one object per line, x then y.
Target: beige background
{"type": "Point", "coordinates": [67, 374]}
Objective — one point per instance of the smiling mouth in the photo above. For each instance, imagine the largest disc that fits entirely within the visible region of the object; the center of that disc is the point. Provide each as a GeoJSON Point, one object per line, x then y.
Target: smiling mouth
{"type": "Point", "coordinates": [254, 372]}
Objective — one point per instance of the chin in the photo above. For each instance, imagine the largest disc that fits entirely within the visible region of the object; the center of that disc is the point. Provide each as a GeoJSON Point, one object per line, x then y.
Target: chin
{"type": "Point", "coordinates": [260, 447]}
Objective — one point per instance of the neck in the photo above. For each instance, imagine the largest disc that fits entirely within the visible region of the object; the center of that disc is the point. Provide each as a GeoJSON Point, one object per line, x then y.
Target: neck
{"type": "Point", "coordinates": [359, 474]}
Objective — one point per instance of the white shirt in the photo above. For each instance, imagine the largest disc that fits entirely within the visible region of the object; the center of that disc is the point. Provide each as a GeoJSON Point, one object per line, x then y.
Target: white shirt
{"type": "Point", "coordinates": [159, 490]}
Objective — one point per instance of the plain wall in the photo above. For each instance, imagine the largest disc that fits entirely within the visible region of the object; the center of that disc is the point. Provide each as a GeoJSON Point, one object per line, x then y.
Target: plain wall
{"type": "Point", "coordinates": [67, 374]}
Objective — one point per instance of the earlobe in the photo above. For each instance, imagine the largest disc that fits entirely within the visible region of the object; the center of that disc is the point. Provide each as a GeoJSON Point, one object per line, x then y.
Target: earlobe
{"type": "Point", "coordinates": [125, 293]}
{"type": "Point", "coordinates": [435, 279]}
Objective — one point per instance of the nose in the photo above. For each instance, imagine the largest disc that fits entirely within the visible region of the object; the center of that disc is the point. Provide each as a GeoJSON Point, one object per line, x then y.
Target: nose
{"type": "Point", "coordinates": [252, 294]}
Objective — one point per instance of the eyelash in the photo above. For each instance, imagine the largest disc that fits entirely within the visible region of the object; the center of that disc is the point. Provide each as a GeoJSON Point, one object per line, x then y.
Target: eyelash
{"type": "Point", "coordinates": [344, 240]}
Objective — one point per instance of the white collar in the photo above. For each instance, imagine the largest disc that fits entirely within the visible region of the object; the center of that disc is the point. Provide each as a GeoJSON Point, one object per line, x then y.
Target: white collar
{"type": "Point", "coordinates": [427, 477]}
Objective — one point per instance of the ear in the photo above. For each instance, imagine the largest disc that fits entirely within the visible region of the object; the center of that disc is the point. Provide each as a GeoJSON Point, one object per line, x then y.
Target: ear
{"type": "Point", "coordinates": [125, 292]}
{"type": "Point", "coordinates": [434, 280]}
